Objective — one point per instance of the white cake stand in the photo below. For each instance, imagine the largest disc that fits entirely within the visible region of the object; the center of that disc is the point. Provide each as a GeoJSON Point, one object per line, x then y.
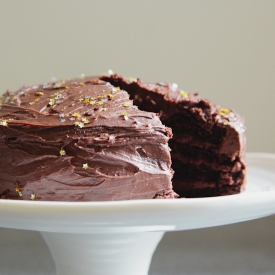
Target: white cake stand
{"type": "Point", "coordinates": [119, 238]}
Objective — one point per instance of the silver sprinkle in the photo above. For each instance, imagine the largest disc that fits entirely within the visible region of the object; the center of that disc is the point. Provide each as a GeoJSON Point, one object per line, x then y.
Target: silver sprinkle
{"type": "Point", "coordinates": [174, 86]}
{"type": "Point", "coordinates": [110, 72]}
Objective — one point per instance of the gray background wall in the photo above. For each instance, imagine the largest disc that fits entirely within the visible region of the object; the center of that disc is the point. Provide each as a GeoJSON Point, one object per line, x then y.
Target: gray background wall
{"type": "Point", "coordinates": [223, 49]}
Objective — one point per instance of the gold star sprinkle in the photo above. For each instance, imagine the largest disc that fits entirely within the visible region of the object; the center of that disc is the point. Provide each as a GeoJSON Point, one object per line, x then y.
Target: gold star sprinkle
{"type": "Point", "coordinates": [92, 102]}
{"type": "Point", "coordinates": [110, 95]}
{"type": "Point", "coordinates": [81, 84]}
{"type": "Point", "coordinates": [85, 120]}
{"type": "Point", "coordinates": [40, 93]}
{"type": "Point", "coordinates": [76, 115]}
{"type": "Point", "coordinates": [124, 113]}
{"type": "Point", "coordinates": [87, 100]}
{"type": "Point", "coordinates": [99, 103]}
{"type": "Point", "coordinates": [79, 124]}
{"type": "Point", "coordinates": [51, 102]}
{"type": "Point", "coordinates": [115, 89]}
{"type": "Point", "coordinates": [18, 192]}
{"type": "Point", "coordinates": [85, 166]}
{"type": "Point", "coordinates": [223, 111]}
{"type": "Point", "coordinates": [67, 87]}
{"type": "Point", "coordinates": [31, 103]}
{"type": "Point", "coordinates": [4, 123]}
{"type": "Point", "coordinates": [62, 152]}
{"type": "Point", "coordinates": [36, 100]}
{"type": "Point", "coordinates": [132, 79]}
{"type": "Point", "coordinates": [126, 105]}
{"type": "Point", "coordinates": [32, 196]}
{"type": "Point", "coordinates": [14, 97]}
{"type": "Point", "coordinates": [225, 122]}
{"type": "Point", "coordinates": [104, 109]}
{"type": "Point", "coordinates": [80, 99]}
{"type": "Point", "coordinates": [184, 94]}
{"type": "Point", "coordinates": [57, 85]}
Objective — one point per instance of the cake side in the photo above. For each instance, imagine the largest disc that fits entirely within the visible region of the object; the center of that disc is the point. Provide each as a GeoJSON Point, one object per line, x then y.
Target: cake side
{"type": "Point", "coordinates": [208, 144]}
{"type": "Point", "coordinates": [81, 140]}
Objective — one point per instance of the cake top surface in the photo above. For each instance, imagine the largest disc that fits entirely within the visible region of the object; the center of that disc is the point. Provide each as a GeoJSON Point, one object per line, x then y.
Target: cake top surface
{"type": "Point", "coordinates": [78, 102]}
{"type": "Point", "coordinates": [182, 99]}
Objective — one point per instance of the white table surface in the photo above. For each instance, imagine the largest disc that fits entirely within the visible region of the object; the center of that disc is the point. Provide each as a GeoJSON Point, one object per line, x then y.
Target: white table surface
{"type": "Point", "coordinates": [239, 249]}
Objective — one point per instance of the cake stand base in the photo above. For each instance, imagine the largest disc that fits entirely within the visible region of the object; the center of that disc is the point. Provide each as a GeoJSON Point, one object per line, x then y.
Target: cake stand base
{"type": "Point", "coordinates": [105, 254]}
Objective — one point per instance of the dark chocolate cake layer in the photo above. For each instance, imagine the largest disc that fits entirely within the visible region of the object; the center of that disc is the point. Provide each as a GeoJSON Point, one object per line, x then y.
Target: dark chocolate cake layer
{"type": "Point", "coordinates": [208, 144]}
{"type": "Point", "coordinates": [81, 140]}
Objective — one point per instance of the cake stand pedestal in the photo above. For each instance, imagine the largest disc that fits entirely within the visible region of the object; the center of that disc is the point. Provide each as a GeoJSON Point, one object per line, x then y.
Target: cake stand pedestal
{"type": "Point", "coordinates": [119, 238]}
{"type": "Point", "coordinates": [108, 254]}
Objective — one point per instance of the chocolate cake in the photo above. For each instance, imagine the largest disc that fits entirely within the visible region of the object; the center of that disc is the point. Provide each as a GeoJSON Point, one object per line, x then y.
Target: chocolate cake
{"type": "Point", "coordinates": [208, 144]}
{"type": "Point", "coordinates": [81, 140]}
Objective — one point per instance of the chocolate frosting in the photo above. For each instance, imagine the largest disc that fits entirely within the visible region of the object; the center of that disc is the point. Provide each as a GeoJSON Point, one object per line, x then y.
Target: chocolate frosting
{"type": "Point", "coordinates": [81, 140]}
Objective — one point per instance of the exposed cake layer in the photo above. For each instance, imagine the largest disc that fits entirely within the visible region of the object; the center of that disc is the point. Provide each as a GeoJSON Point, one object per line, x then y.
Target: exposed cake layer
{"type": "Point", "coordinates": [81, 140]}
{"type": "Point", "coordinates": [194, 189]}
{"type": "Point", "coordinates": [194, 155]}
{"type": "Point", "coordinates": [208, 145]}
{"type": "Point", "coordinates": [205, 171]}
{"type": "Point", "coordinates": [201, 177]}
